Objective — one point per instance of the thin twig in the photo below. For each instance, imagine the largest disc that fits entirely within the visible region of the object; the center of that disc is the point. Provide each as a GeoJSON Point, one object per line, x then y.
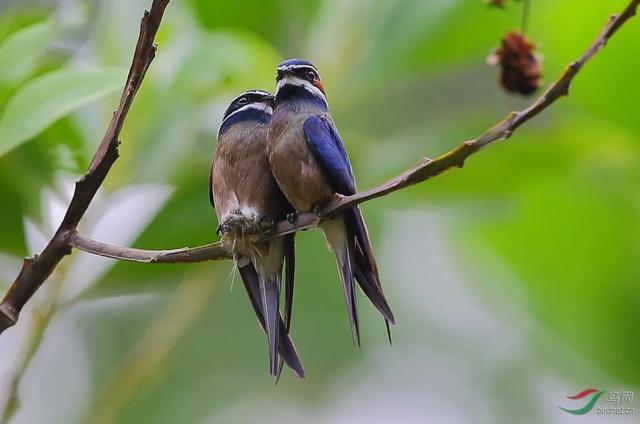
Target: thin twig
{"type": "Point", "coordinates": [422, 171]}
{"type": "Point", "coordinates": [36, 269]}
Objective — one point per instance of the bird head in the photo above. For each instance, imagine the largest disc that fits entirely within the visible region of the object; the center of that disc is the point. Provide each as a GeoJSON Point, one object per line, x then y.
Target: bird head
{"type": "Point", "coordinates": [251, 99]}
{"type": "Point", "coordinates": [297, 72]}
{"type": "Point", "coordinates": [252, 105]}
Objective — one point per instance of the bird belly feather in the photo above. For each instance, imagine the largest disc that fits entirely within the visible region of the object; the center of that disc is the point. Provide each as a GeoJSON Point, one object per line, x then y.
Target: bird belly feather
{"type": "Point", "coordinates": [298, 173]}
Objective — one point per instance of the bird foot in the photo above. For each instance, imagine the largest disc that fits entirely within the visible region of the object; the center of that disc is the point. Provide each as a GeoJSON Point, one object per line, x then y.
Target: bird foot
{"type": "Point", "coordinates": [292, 217]}
{"type": "Point", "coordinates": [239, 224]}
{"type": "Point", "coordinates": [317, 209]}
{"type": "Point", "coordinates": [265, 223]}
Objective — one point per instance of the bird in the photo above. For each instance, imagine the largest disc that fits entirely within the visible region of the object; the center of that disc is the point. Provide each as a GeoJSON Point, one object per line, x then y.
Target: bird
{"type": "Point", "coordinates": [311, 166]}
{"type": "Point", "coordinates": [247, 200]}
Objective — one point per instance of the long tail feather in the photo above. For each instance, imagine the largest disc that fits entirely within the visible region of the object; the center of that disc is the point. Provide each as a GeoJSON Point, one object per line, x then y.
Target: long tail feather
{"type": "Point", "coordinates": [289, 279]}
{"type": "Point", "coordinates": [386, 324]}
{"type": "Point", "coordinates": [367, 283]}
{"type": "Point", "coordinates": [336, 235]}
{"type": "Point", "coordinates": [286, 347]}
{"type": "Point", "coordinates": [288, 352]}
{"type": "Point", "coordinates": [364, 264]}
{"type": "Point", "coordinates": [347, 280]}
{"type": "Point", "coordinates": [252, 285]}
{"type": "Point", "coordinates": [337, 238]}
{"type": "Point", "coordinates": [270, 292]}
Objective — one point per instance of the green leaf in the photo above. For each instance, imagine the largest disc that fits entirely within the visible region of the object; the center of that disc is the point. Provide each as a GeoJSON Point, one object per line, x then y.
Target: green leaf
{"type": "Point", "coordinates": [19, 53]}
{"type": "Point", "coordinates": [46, 99]}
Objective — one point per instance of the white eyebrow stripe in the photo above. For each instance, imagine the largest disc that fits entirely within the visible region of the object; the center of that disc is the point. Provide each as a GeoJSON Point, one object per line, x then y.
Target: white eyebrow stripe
{"type": "Point", "coordinates": [257, 106]}
{"type": "Point", "coordinates": [246, 93]}
{"type": "Point", "coordinates": [293, 80]}
{"type": "Point", "coordinates": [288, 67]}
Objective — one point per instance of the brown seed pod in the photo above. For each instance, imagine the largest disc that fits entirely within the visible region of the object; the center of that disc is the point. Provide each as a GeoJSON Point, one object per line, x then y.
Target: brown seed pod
{"type": "Point", "coordinates": [520, 70]}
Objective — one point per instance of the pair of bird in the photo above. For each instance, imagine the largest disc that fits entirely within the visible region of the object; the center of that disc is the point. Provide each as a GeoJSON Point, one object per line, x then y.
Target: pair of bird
{"type": "Point", "coordinates": [277, 156]}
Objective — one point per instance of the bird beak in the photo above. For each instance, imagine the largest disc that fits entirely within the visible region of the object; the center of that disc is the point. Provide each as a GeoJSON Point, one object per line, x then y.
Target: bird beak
{"type": "Point", "coordinates": [318, 84]}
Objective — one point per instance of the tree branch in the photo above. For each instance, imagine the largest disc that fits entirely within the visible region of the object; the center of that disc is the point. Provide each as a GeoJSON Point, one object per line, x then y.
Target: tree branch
{"type": "Point", "coordinates": [36, 269]}
{"type": "Point", "coordinates": [207, 252]}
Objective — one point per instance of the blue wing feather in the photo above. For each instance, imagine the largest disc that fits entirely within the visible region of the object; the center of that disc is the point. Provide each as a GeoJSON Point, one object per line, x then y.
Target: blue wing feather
{"type": "Point", "coordinates": [329, 151]}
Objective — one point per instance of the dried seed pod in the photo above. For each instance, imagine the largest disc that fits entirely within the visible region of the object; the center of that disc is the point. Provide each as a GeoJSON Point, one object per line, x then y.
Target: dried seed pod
{"type": "Point", "coordinates": [520, 70]}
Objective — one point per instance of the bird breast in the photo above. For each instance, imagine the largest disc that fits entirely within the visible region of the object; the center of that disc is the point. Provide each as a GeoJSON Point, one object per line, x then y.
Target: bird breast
{"type": "Point", "coordinates": [293, 165]}
{"type": "Point", "coordinates": [245, 193]}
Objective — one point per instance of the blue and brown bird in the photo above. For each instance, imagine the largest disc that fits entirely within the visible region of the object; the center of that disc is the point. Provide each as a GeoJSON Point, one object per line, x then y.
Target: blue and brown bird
{"type": "Point", "coordinates": [311, 166]}
{"type": "Point", "coordinates": [247, 201]}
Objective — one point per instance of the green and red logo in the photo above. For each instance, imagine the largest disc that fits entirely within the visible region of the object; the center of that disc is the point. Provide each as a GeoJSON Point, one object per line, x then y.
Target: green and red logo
{"type": "Point", "coordinates": [591, 394]}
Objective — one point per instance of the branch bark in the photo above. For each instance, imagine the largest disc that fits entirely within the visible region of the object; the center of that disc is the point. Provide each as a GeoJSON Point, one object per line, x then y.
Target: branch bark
{"type": "Point", "coordinates": [36, 269]}
{"type": "Point", "coordinates": [209, 252]}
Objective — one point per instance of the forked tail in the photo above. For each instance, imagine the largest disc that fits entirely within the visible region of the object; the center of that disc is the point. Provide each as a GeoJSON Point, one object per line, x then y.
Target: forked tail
{"type": "Point", "coordinates": [281, 342]}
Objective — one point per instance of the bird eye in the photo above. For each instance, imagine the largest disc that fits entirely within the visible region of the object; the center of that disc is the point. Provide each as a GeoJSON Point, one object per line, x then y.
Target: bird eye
{"type": "Point", "coordinates": [243, 101]}
{"type": "Point", "coordinates": [311, 75]}
{"type": "Point", "coordinates": [279, 75]}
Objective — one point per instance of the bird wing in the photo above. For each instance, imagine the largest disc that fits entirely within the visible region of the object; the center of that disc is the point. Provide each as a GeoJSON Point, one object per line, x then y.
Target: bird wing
{"type": "Point", "coordinates": [213, 203]}
{"type": "Point", "coordinates": [329, 151]}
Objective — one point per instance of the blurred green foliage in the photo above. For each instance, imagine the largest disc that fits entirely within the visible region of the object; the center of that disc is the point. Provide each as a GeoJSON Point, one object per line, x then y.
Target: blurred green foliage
{"type": "Point", "coordinates": [551, 217]}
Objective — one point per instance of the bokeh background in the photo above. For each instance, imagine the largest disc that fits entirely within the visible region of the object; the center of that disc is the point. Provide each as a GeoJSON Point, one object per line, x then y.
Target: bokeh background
{"type": "Point", "coordinates": [515, 281]}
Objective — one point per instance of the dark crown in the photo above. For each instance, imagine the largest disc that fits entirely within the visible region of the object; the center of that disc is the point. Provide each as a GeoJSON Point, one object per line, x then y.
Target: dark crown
{"type": "Point", "coordinates": [295, 62]}
{"type": "Point", "coordinates": [297, 67]}
{"type": "Point", "coordinates": [246, 98]}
